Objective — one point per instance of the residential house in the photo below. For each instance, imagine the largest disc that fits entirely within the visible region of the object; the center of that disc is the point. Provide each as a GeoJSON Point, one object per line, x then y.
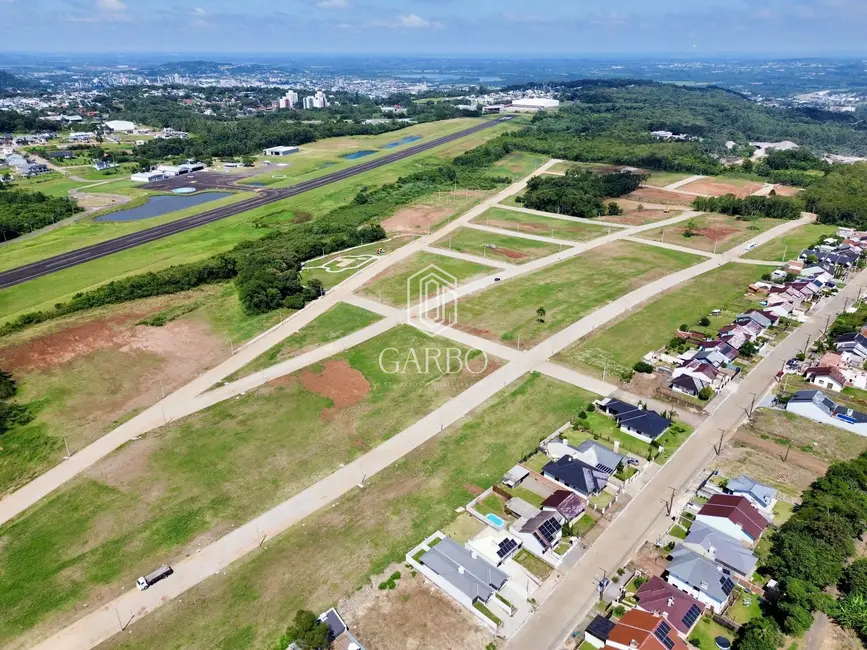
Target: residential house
{"type": "Point", "coordinates": [638, 630]}
{"type": "Point", "coordinates": [712, 356]}
{"type": "Point", "coordinates": [829, 378]}
{"type": "Point", "coordinates": [641, 423]}
{"type": "Point", "coordinates": [339, 635]}
{"type": "Point", "coordinates": [60, 155]}
{"type": "Point", "coordinates": [576, 475]}
{"type": "Point", "coordinates": [853, 347]}
{"type": "Point", "coordinates": [718, 345]}
{"type": "Point", "coordinates": [496, 546]}
{"type": "Point", "coordinates": [688, 385]}
{"type": "Point", "coordinates": [845, 258]}
{"type": "Point", "coordinates": [813, 404]}
{"type": "Point", "coordinates": [599, 456]}
{"type": "Point", "coordinates": [702, 371]}
{"type": "Point", "coordinates": [565, 503]}
{"type": "Point", "coordinates": [794, 267]}
{"type": "Point", "coordinates": [461, 573]}
{"type": "Point", "coordinates": [700, 578]}
{"type": "Point", "coordinates": [103, 165]}
{"type": "Point", "coordinates": [733, 515]}
{"type": "Point", "coordinates": [598, 631]}
{"type": "Point", "coordinates": [681, 610]}
{"type": "Point", "coordinates": [731, 554]}
{"type": "Point", "coordinates": [755, 316]}
{"type": "Point", "coordinates": [541, 533]}
{"type": "Point", "coordinates": [762, 496]}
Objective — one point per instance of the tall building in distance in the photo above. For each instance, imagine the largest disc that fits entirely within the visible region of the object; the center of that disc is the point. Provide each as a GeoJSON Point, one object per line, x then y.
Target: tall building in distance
{"type": "Point", "coordinates": [320, 101]}
{"type": "Point", "coordinates": [288, 100]}
{"type": "Point", "coordinates": [309, 102]}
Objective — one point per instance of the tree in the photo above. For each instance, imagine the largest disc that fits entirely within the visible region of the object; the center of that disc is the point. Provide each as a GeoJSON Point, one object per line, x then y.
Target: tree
{"type": "Point", "coordinates": [248, 161]}
{"type": "Point", "coordinates": [683, 327]}
{"type": "Point", "coordinates": [705, 393]}
{"type": "Point", "coordinates": [643, 367]}
{"type": "Point", "coordinates": [854, 578]}
{"type": "Point", "coordinates": [704, 322]}
{"type": "Point", "coordinates": [8, 385]}
{"type": "Point", "coordinates": [540, 314]}
{"type": "Point", "coordinates": [307, 631]}
{"type": "Point", "coordinates": [760, 633]}
{"type": "Point", "coordinates": [614, 209]}
{"type": "Point", "coordinates": [691, 228]}
{"type": "Point", "coordinates": [851, 612]}
{"type": "Point", "coordinates": [749, 349]}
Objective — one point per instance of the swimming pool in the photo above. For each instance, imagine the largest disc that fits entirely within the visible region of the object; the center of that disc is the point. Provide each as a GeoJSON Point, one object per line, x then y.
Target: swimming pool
{"type": "Point", "coordinates": [355, 155]}
{"type": "Point", "coordinates": [494, 519]}
{"type": "Point", "coordinates": [406, 140]}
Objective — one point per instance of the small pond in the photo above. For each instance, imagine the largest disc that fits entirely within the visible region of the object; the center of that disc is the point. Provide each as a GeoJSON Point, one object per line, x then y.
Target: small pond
{"type": "Point", "coordinates": [157, 206]}
{"type": "Point", "coordinates": [355, 155]}
{"type": "Point", "coordinates": [402, 141]}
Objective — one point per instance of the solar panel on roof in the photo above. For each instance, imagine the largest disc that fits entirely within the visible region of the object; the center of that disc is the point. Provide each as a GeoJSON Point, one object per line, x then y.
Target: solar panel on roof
{"type": "Point", "coordinates": [549, 529]}
{"type": "Point", "coordinates": [506, 546]}
{"type": "Point", "coordinates": [661, 633]}
{"type": "Point", "coordinates": [691, 616]}
{"type": "Point", "coordinates": [602, 467]}
{"type": "Point", "coordinates": [727, 585]}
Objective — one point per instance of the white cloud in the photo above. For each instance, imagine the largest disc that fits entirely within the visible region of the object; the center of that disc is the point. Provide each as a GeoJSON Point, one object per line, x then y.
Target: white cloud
{"type": "Point", "coordinates": [111, 6]}
{"type": "Point", "coordinates": [407, 21]}
{"type": "Point", "coordinates": [332, 4]}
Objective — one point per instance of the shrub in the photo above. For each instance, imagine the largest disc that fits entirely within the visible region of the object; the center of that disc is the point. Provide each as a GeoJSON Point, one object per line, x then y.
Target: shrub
{"type": "Point", "coordinates": [704, 322]}
{"type": "Point", "coordinates": [643, 367]}
{"type": "Point", "coordinates": [706, 393]}
{"type": "Point", "coordinates": [683, 327]}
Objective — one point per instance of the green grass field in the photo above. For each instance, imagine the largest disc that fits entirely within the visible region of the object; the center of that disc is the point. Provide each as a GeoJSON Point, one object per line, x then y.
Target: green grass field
{"type": "Point", "coordinates": [661, 179]}
{"type": "Point", "coordinates": [340, 320]}
{"type": "Point", "coordinates": [53, 184]}
{"type": "Point", "coordinates": [391, 285]}
{"type": "Point", "coordinates": [340, 547]}
{"type": "Point", "coordinates": [567, 291]}
{"type": "Point", "coordinates": [790, 245]}
{"type": "Point", "coordinates": [150, 501]}
{"type": "Point", "coordinates": [713, 232]}
{"type": "Point", "coordinates": [519, 164]}
{"type": "Point", "coordinates": [216, 237]}
{"type": "Point", "coordinates": [625, 342]}
{"type": "Point", "coordinates": [86, 232]}
{"type": "Point", "coordinates": [538, 225]}
{"type": "Point", "coordinates": [515, 250]}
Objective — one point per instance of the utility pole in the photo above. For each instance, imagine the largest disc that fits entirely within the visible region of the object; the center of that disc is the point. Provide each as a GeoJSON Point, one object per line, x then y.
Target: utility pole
{"type": "Point", "coordinates": [785, 250]}
{"type": "Point", "coordinates": [68, 453]}
{"type": "Point", "coordinates": [753, 404]}
{"type": "Point", "coordinates": [786, 457]}
{"type": "Point", "coordinates": [669, 505]}
{"type": "Point", "coordinates": [722, 433]}
{"type": "Point", "coordinates": [162, 390]}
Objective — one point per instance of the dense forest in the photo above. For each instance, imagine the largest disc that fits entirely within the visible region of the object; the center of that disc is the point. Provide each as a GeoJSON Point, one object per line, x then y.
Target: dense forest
{"type": "Point", "coordinates": [773, 207]}
{"type": "Point", "coordinates": [579, 192]}
{"type": "Point", "coordinates": [841, 196]}
{"type": "Point", "coordinates": [15, 122]}
{"type": "Point", "coordinates": [22, 212]}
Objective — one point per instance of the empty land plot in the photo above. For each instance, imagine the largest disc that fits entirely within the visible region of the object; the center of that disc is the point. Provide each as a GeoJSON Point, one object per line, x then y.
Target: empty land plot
{"type": "Point", "coordinates": [337, 549]}
{"type": "Point", "coordinates": [661, 179]}
{"type": "Point", "coordinates": [655, 195]}
{"type": "Point", "coordinates": [538, 225]}
{"type": "Point", "coordinates": [340, 320]}
{"type": "Point", "coordinates": [518, 164]}
{"type": "Point", "coordinates": [423, 217]}
{"type": "Point", "coordinates": [790, 245]}
{"type": "Point", "coordinates": [567, 291]}
{"type": "Point", "coordinates": [636, 213]}
{"type": "Point", "coordinates": [823, 441]}
{"type": "Point", "coordinates": [765, 467]}
{"type": "Point", "coordinates": [160, 497]}
{"type": "Point", "coordinates": [516, 250]}
{"type": "Point", "coordinates": [651, 327]}
{"type": "Point", "coordinates": [721, 185]}
{"type": "Point", "coordinates": [393, 284]}
{"type": "Point", "coordinates": [710, 232]}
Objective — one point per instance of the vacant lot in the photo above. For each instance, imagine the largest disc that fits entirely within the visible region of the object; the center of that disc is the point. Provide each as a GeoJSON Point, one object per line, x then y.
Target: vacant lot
{"type": "Point", "coordinates": [636, 213]}
{"type": "Point", "coordinates": [518, 164]}
{"type": "Point", "coordinates": [711, 232]}
{"type": "Point", "coordinates": [515, 250]}
{"type": "Point", "coordinates": [654, 195]}
{"type": "Point", "coordinates": [765, 467]}
{"type": "Point", "coordinates": [619, 346]}
{"type": "Point", "coordinates": [168, 493]}
{"type": "Point", "coordinates": [567, 291]}
{"type": "Point", "coordinates": [340, 320]}
{"type": "Point", "coordinates": [661, 179]}
{"type": "Point", "coordinates": [790, 245]}
{"type": "Point", "coordinates": [392, 285]}
{"type": "Point", "coordinates": [339, 548]}
{"type": "Point", "coordinates": [823, 441]}
{"type": "Point", "coordinates": [538, 225]}
{"type": "Point", "coordinates": [423, 217]}
{"type": "Point", "coordinates": [720, 185]}
{"type": "Point", "coordinates": [334, 269]}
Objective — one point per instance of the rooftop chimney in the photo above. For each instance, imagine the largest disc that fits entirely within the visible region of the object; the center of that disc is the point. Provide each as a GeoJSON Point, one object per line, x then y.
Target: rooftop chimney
{"type": "Point", "coordinates": [461, 570]}
{"type": "Point", "coordinates": [670, 602]}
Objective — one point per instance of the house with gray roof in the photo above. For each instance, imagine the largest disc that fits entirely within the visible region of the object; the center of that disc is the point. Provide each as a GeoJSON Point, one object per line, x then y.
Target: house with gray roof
{"type": "Point", "coordinates": [701, 578]}
{"type": "Point", "coordinates": [815, 405]}
{"type": "Point", "coordinates": [466, 572]}
{"type": "Point", "coordinates": [762, 496]}
{"type": "Point", "coordinates": [731, 554]}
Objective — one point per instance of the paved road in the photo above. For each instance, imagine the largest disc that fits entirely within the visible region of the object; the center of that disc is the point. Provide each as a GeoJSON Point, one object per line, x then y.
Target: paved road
{"type": "Point", "coordinates": [101, 623]}
{"type": "Point", "coordinates": [264, 197]}
{"type": "Point", "coordinates": [645, 518]}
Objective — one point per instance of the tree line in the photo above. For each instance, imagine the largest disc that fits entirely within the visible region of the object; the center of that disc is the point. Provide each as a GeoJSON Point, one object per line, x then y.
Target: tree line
{"type": "Point", "coordinates": [22, 212]}
{"type": "Point", "coordinates": [841, 196]}
{"type": "Point", "coordinates": [772, 207]}
{"type": "Point", "coordinates": [579, 192]}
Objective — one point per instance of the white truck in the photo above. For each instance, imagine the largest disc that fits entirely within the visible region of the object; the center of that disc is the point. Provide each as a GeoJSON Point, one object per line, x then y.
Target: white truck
{"type": "Point", "coordinates": [155, 576]}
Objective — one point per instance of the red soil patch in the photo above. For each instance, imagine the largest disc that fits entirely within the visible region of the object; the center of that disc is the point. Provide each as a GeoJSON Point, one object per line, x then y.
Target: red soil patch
{"type": "Point", "coordinates": [654, 195]}
{"type": "Point", "coordinates": [786, 190]}
{"type": "Point", "coordinates": [66, 344]}
{"type": "Point", "coordinates": [423, 216]}
{"type": "Point", "coordinates": [713, 188]}
{"type": "Point", "coordinates": [507, 252]}
{"type": "Point", "coordinates": [339, 382]}
{"type": "Point", "coordinates": [716, 234]}
{"type": "Point", "coordinates": [475, 490]}
{"type": "Point", "coordinates": [639, 217]}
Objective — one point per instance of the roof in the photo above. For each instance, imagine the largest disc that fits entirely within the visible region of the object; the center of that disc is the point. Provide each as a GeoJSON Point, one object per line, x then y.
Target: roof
{"type": "Point", "coordinates": [521, 508]}
{"type": "Point", "coordinates": [615, 406]}
{"type": "Point", "coordinates": [646, 422]}
{"type": "Point", "coordinates": [544, 527]}
{"type": "Point", "coordinates": [700, 573]}
{"type": "Point", "coordinates": [577, 474]}
{"type": "Point", "coordinates": [722, 548]}
{"type": "Point", "coordinates": [600, 456]}
{"type": "Point", "coordinates": [681, 609]}
{"type": "Point", "coordinates": [756, 317]}
{"type": "Point", "coordinates": [738, 510]}
{"type": "Point", "coordinates": [689, 383]}
{"type": "Point", "coordinates": [335, 623]}
{"type": "Point", "coordinates": [851, 337]}
{"type": "Point", "coordinates": [825, 371]}
{"type": "Point", "coordinates": [761, 492]}
{"type": "Point", "coordinates": [646, 631]}
{"type": "Point", "coordinates": [566, 502]}
{"type": "Point", "coordinates": [472, 576]}
{"type": "Point", "coordinates": [601, 627]}
{"type": "Point", "coordinates": [516, 474]}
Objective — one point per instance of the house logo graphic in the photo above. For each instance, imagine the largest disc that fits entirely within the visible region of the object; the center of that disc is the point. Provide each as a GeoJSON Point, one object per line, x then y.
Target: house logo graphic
{"type": "Point", "coordinates": [431, 300]}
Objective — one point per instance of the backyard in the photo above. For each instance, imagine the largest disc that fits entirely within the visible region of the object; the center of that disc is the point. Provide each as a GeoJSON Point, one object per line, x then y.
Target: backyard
{"type": "Point", "coordinates": [567, 291]}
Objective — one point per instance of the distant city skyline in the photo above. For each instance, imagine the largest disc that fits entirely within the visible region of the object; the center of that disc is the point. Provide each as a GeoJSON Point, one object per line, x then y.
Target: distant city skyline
{"type": "Point", "coordinates": [439, 27]}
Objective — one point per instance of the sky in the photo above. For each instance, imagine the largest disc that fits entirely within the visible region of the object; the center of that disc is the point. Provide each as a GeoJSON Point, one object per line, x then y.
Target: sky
{"type": "Point", "coordinates": [441, 27]}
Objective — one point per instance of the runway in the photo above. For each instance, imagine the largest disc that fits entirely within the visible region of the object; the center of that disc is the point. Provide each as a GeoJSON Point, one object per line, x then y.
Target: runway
{"type": "Point", "coordinates": [38, 269]}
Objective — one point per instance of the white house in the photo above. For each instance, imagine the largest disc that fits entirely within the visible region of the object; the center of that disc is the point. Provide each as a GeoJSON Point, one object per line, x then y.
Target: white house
{"type": "Point", "coordinates": [700, 578]}
{"type": "Point", "coordinates": [735, 516]}
{"type": "Point", "coordinates": [813, 404]}
{"type": "Point", "coordinates": [763, 497]}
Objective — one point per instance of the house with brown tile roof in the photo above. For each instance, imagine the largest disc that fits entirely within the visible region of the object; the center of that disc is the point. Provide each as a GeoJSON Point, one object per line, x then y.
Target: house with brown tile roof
{"type": "Point", "coordinates": [639, 630]}
{"type": "Point", "coordinates": [680, 609]}
{"type": "Point", "coordinates": [735, 516]}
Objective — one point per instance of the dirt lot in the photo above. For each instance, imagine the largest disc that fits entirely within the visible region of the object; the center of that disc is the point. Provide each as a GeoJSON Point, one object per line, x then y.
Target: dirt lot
{"type": "Point", "coordinates": [413, 616]}
{"type": "Point", "coordinates": [420, 218]}
{"type": "Point", "coordinates": [632, 216]}
{"type": "Point", "coordinates": [339, 382]}
{"type": "Point", "coordinates": [836, 638]}
{"type": "Point", "coordinates": [653, 195]}
{"type": "Point", "coordinates": [765, 467]}
{"type": "Point", "coordinates": [786, 190]}
{"type": "Point", "coordinates": [717, 188]}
